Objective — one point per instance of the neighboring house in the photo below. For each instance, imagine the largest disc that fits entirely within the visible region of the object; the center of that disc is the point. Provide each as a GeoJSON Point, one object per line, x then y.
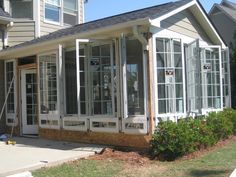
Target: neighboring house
{"type": "Point", "coordinates": [111, 81]}
{"type": "Point", "coordinates": [223, 16]}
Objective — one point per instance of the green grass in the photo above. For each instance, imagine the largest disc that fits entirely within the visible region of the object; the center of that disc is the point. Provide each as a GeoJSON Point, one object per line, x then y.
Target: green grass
{"type": "Point", "coordinates": [217, 163]}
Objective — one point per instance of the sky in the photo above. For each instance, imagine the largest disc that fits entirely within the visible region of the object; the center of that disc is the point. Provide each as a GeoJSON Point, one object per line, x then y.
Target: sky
{"type": "Point", "coordinates": [96, 9]}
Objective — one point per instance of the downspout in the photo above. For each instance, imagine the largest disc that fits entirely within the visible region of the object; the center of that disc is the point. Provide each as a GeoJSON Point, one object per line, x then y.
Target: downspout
{"type": "Point", "coordinates": [5, 34]}
{"type": "Point", "coordinates": [148, 110]}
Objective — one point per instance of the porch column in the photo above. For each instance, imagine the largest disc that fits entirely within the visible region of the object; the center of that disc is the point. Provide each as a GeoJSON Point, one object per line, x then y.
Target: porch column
{"type": "Point", "coordinates": [151, 86]}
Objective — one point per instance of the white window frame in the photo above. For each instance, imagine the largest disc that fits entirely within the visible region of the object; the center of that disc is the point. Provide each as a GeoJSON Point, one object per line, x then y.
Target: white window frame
{"type": "Point", "coordinates": [132, 119]}
{"type": "Point", "coordinates": [11, 115]}
{"type": "Point", "coordinates": [61, 12]}
{"type": "Point", "coordinates": [207, 110]}
{"type": "Point", "coordinates": [55, 115]}
{"type": "Point", "coordinates": [168, 116]}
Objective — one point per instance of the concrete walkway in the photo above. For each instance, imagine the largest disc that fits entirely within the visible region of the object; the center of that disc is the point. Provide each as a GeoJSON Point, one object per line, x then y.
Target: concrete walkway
{"type": "Point", "coordinates": [33, 153]}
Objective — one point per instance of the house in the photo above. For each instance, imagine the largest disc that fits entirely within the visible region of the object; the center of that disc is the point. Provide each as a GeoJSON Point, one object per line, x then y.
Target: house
{"type": "Point", "coordinates": [110, 81]}
{"type": "Point", "coordinates": [223, 16]}
{"type": "Point", "coordinates": [25, 20]}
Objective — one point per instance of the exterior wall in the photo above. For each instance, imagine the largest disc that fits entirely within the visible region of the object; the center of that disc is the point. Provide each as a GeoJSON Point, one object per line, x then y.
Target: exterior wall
{"type": "Point", "coordinates": [21, 32]}
{"type": "Point", "coordinates": [46, 28]}
{"type": "Point", "coordinates": [137, 141]}
{"type": "Point", "coordinates": [225, 26]}
{"type": "Point", "coordinates": [2, 96]}
{"type": "Point", "coordinates": [185, 23]}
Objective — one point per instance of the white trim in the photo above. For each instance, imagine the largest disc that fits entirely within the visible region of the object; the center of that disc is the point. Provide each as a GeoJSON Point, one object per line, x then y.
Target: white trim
{"type": "Point", "coordinates": [12, 116]}
{"type": "Point", "coordinates": [26, 129]}
{"type": "Point", "coordinates": [104, 129]}
{"type": "Point", "coordinates": [171, 13]}
{"type": "Point", "coordinates": [36, 17]}
{"type": "Point", "coordinates": [49, 118]}
{"type": "Point", "coordinates": [211, 26]}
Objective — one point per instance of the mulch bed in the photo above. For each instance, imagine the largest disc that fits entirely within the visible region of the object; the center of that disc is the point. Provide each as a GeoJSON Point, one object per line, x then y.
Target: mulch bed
{"type": "Point", "coordinates": [142, 157]}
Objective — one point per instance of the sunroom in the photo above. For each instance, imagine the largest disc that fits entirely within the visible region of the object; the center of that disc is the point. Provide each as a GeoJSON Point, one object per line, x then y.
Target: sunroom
{"type": "Point", "coordinates": [112, 81]}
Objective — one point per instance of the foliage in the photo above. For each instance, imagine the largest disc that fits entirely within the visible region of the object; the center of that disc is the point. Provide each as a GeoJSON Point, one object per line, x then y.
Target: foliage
{"type": "Point", "coordinates": [171, 140]}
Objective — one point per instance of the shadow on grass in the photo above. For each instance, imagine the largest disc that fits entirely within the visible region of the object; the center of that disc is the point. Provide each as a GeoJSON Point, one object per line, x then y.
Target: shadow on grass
{"type": "Point", "coordinates": [198, 172]}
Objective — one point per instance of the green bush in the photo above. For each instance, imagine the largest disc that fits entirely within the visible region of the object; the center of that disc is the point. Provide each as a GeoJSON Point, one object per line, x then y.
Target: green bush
{"type": "Point", "coordinates": [171, 140]}
{"type": "Point", "coordinates": [221, 126]}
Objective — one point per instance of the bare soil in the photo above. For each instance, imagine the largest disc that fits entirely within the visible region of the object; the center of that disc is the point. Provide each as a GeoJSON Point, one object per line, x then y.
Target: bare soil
{"type": "Point", "coordinates": [142, 158]}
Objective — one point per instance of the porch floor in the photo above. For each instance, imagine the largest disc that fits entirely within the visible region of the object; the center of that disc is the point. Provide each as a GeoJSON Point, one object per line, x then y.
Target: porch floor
{"type": "Point", "coordinates": [33, 153]}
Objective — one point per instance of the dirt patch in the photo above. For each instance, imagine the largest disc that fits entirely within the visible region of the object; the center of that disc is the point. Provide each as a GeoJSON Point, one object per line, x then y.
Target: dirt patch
{"type": "Point", "coordinates": [142, 158]}
{"type": "Point", "coordinates": [129, 157]}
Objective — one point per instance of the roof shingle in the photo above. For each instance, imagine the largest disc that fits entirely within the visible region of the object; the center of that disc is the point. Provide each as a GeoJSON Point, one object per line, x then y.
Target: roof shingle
{"type": "Point", "coordinates": [150, 12]}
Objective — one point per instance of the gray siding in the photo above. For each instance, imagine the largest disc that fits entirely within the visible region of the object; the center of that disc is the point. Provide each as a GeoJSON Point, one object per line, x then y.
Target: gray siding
{"type": "Point", "coordinates": [21, 32]}
{"type": "Point", "coordinates": [2, 96]}
{"type": "Point", "coordinates": [185, 23]}
{"type": "Point", "coordinates": [46, 28]}
{"type": "Point", "coordinates": [224, 25]}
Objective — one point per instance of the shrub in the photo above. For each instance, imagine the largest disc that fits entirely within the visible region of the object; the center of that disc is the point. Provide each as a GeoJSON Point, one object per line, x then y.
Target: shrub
{"type": "Point", "coordinates": [221, 126]}
{"type": "Point", "coordinates": [171, 140]}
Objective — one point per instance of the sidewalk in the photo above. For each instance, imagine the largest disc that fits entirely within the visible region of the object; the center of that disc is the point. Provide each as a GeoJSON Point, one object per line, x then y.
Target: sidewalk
{"type": "Point", "coordinates": [33, 153]}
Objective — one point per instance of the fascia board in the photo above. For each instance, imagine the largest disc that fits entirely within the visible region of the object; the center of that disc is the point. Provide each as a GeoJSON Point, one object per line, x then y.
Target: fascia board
{"type": "Point", "coordinates": [86, 34]}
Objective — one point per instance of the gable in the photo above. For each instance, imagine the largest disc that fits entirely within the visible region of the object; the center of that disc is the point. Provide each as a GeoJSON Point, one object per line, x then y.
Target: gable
{"type": "Point", "coordinates": [185, 23]}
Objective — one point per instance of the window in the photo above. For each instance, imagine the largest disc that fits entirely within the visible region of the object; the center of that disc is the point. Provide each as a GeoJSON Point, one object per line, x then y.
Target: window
{"type": "Point", "coordinates": [210, 72]}
{"type": "Point", "coordinates": [9, 79]}
{"type": "Point", "coordinates": [1, 4]}
{"type": "Point", "coordinates": [134, 76]}
{"type": "Point", "coordinates": [70, 12]}
{"type": "Point", "coordinates": [22, 9]}
{"type": "Point", "coordinates": [56, 10]}
{"type": "Point", "coordinates": [48, 84]}
{"type": "Point", "coordinates": [71, 83]}
{"type": "Point", "coordinates": [169, 75]}
{"type": "Point", "coordinates": [52, 10]}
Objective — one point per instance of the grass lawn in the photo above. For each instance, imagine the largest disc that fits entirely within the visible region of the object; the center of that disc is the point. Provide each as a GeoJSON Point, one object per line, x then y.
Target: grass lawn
{"type": "Point", "coordinates": [219, 162]}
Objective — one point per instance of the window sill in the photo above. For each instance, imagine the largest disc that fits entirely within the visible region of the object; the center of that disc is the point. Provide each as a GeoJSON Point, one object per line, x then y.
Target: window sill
{"type": "Point", "coordinates": [53, 23]}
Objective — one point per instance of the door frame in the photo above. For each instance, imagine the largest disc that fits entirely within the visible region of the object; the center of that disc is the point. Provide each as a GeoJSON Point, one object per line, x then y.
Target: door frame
{"type": "Point", "coordinates": [22, 90]}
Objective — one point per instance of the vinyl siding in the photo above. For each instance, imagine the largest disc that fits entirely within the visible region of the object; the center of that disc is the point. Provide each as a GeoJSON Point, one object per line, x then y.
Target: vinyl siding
{"type": "Point", "coordinates": [185, 23]}
{"type": "Point", "coordinates": [2, 95]}
{"type": "Point", "coordinates": [21, 32]}
{"type": "Point", "coordinates": [46, 28]}
{"type": "Point", "coordinates": [225, 26]}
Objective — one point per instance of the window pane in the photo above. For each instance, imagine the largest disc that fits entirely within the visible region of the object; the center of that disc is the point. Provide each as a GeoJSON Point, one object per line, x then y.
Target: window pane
{"type": "Point", "coordinates": [9, 77]}
{"type": "Point", "coordinates": [53, 2]}
{"type": "Point", "coordinates": [71, 83]}
{"type": "Point", "coordinates": [70, 19]}
{"type": "Point", "coordinates": [52, 13]}
{"type": "Point", "coordinates": [70, 5]}
{"type": "Point", "coordinates": [48, 84]}
{"type": "Point", "coordinates": [22, 9]}
{"type": "Point", "coordinates": [134, 74]}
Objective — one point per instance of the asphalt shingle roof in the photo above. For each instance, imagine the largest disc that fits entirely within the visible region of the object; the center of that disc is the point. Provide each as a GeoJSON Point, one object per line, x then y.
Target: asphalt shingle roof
{"type": "Point", "coordinates": [4, 14]}
{"type": "Point", "coordinates": [150, 12]}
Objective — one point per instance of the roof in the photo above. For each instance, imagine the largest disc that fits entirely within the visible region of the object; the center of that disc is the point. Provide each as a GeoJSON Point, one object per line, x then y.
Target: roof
{"type": "Point", "coordinates": [228, 7]}
{"type": "Point", "coordinates": [4, 14]}
{"type": "Point", "coordinates": [149, 13]}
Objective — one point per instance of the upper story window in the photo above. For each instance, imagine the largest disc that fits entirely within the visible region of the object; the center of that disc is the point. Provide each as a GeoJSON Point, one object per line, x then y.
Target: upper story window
{"type": "Point", "coordinates": [61, 11]}
{"type": "Point", "coordinates": [52, 10]}
{"type": "Point", "coordinates": [1, 4]}
{"type": "Point", "coordinates": [21, 9]}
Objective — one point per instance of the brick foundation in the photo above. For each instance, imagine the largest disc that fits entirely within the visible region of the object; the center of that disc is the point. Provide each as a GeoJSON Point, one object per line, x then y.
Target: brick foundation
{"type": "Point", "coordinates": [116, 139]}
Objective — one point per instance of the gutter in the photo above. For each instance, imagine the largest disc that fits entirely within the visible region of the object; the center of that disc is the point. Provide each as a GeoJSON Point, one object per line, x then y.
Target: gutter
{"type": "Point", "coordinates": [82, 35]}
